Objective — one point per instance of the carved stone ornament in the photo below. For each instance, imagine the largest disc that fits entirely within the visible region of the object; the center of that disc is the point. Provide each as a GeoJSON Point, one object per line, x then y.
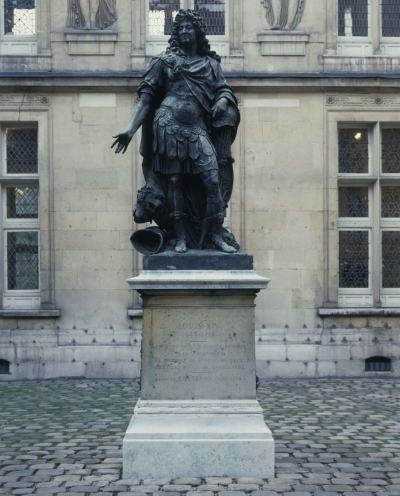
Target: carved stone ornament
{"type": "Point", "coordinates": [362, 100]}
{"type": "Point", "coordinates": [91, 14]}
{"type": "Point", "coordinates": [23, 99]}
{"type": "Point", "coordinates": [284, 15]}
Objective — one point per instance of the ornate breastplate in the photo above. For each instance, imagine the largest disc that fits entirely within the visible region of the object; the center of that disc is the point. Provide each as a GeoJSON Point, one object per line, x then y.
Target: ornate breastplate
{"type": "Point", "coordinates": [184, 108]}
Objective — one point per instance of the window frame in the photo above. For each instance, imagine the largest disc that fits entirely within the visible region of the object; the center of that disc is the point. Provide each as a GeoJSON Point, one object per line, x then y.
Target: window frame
{"type": "Point", "coordinates": [18, 44]}
{"type": "Point", "coordinates": [387, 295]}
{"type": "Point", "coordinates": [387, 42]}
{"type": "Point", "coordinates": [346, 296]}
{"type": "Point", "coordinates": [390, 297]}
{"type": "Point", "coordinates": [375, 121]}
{"type": "Point", "coordinates": [355, 45]}
{"type": "Point", "coordinates": [27, 299]}
{"type": "Point", "coordinates": [34, 111]}
{"type": "Point", "coordinates": [363, 296]}
{"type": "Point", "coordinates": [156, 44]}
{"type": "Point", "coordinates": [374, 44]}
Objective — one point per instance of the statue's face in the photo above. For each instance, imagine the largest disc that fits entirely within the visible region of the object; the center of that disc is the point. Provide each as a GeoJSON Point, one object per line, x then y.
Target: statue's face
{"type": "Point", "coordinates": [187, 34]}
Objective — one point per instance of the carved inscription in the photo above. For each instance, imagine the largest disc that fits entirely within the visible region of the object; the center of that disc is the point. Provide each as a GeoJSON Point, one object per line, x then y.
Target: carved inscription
{"type": "Point", "coordinates": [197, 352]}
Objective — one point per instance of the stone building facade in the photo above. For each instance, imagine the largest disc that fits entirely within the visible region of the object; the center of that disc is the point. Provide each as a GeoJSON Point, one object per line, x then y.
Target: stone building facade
{"type": "Point", "coordinates": [317, 180]}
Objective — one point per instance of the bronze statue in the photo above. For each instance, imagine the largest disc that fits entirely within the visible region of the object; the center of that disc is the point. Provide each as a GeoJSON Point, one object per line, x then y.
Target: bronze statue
{"type": "Point", "coordinates": [189, 118]}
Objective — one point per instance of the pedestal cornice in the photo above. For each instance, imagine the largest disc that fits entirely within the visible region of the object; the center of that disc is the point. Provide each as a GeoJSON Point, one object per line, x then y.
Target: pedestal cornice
{"type": "Point", "coordinates": [198, 280]}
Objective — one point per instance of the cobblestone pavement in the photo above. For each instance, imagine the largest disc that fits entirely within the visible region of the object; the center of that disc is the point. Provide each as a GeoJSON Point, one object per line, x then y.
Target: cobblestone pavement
{"type": "Point", "coordinates": [332, 437]}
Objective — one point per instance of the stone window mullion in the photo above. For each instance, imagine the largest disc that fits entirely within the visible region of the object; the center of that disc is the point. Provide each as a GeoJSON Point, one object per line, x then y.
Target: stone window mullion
{"type": "Point", "coordinates": [375, 27]}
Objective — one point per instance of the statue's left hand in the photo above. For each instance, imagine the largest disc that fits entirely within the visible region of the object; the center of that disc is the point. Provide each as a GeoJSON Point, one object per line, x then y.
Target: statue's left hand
{"type": "Point", "coordinates": [220, 107]}
{"type": "Point", "coordinates": [122, 141]}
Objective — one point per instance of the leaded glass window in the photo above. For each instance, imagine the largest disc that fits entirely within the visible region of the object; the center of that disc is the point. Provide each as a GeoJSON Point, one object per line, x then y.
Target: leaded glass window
{"type": "Point", "coordinates": [390, 11]}
{"type": "Point", "coordinates": [390, 201]}
{"type": "Point", "coordinates": [369, 216]}
{"type": "Point", "coordinates": [353, 18]}
{"type": "Point", "coordinates": [20, 216]}
{"type": "Point", "coordinates": [161, 16]}
{"type": "Point", "coordinates": [354, 259]}
{"type": "Point", "coordinates": [22, 202]}
{"type": "Point", "coordinates": [213, 13]}
{"type": "Point", "coordinates": [391, 151]}
{"type": "Point", "coordinates": [353, 202]}
{"type": "Point", "coordinates": [353, 151]}
{"type": "Point", "coordinates": [22, 151]}
{"type": "Point", "coordinates": [19, 17]}
{"type": "Point", "coordinates": [390, 259]}
{"type": "Point", "coordinates": [23, 260]}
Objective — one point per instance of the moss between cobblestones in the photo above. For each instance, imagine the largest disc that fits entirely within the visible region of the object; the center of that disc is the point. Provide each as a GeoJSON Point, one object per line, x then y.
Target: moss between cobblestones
{"type": "Point", "coordinates": [65, 436]}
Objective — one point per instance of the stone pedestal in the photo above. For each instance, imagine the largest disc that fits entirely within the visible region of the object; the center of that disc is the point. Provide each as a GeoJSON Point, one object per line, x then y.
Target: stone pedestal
{"type": "Point", "coordinates": [198, 415]}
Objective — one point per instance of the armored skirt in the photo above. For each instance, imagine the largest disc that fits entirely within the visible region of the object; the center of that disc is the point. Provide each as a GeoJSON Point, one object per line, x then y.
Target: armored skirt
{"type": "Point", "coordinates": [181, 149]}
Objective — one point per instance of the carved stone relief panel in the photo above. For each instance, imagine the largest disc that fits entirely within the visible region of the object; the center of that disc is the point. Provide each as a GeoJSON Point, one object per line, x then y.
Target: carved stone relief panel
{"type": "Point", "coordinates": [281, 37]}
{"type": "Point", "coordinates": [23, 99]}
{"type": "Point", "coordinates": [283, 15]}
{"type": "Point", "coordinates": [362, 100]}
{"type": "Point", "coordinates": [91, 14]}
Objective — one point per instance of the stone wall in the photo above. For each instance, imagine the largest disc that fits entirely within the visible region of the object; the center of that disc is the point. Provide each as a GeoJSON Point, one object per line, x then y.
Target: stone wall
{"type": "Point", "coordinates": [277, 214]}
{"type": "Point", "coordinates": [81, 89]}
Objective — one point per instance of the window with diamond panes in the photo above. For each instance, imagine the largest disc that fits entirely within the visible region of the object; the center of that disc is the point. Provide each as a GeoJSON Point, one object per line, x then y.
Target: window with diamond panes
{"type": "Point", "coordinates": [390, 142]}
{"type": "Point", "coordinates": [353, 18]}
{"type": "Point", "coordinates": [22, 202]}
{"type": "Point", "coordinates": [19, 17]}
{"type": "Point", "coordinates": [390, 14]}
{"type": "Point", "coordinates": [353, 151]}
{"type": "Point", "coordinates": [20, 217]}
{"type": "Point", "coordinates": [354, 259]}
{"type": "Point", "coordinates": [22, 260]}
{"type": "Point", "coordinates": [21, 151]}
{"type": "Point", "coordinates": [213, 13]}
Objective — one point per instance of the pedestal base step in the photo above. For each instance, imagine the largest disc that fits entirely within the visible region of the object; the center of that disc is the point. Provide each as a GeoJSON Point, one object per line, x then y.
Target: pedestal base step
{"type": "Point", "coordinates": [172, 439]}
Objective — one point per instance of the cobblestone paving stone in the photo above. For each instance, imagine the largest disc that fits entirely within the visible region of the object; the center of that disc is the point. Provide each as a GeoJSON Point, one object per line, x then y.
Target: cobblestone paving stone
{"type": "Point", "coordinates": [333, 437]}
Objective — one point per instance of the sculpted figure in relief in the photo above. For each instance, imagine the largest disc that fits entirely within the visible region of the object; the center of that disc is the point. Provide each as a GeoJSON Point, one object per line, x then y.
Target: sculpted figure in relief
{"type": "Point", "coordinates": [91, 14]}
{"type": "Point", "coordinates": [189, 119]}
{"type": "Point", "coordinates": [284, 15]}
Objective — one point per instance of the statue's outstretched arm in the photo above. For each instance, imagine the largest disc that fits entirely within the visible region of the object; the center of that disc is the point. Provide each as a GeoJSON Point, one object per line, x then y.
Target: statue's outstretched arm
{"type": "Point", "coordinates": [139, 116]}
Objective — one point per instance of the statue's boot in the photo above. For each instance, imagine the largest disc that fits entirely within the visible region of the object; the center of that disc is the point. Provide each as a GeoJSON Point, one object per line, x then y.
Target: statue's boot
{"type": "Point", "coordinates": [180, 231]}
{"type": "Point", "coordinates": [216, 222]}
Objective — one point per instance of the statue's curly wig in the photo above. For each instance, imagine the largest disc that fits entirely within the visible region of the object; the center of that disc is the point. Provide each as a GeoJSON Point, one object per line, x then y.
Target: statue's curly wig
{"type": "Point", "coordinates": [203, 45]}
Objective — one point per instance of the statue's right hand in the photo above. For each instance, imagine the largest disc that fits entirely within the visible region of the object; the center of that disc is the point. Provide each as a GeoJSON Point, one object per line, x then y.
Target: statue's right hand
{"type": "Point", "coordinates": [122, 141]}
